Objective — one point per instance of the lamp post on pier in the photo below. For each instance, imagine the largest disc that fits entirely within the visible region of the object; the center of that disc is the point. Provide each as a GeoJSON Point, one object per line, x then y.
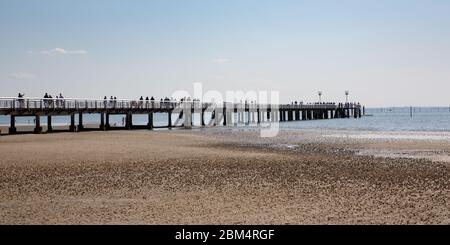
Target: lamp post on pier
{"type": "Point", "coordinates": [346, 96]}
{"type": "Point", "coordinates": [320, 96]}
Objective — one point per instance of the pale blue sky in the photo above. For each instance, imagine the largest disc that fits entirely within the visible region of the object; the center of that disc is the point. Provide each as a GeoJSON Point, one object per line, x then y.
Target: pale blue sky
{"type": "Point", "coordinates": [386, 52]}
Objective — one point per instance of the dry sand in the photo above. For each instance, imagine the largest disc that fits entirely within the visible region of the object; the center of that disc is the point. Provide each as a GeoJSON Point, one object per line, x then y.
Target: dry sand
{"type": "Point", "coordinates": [197, 177]}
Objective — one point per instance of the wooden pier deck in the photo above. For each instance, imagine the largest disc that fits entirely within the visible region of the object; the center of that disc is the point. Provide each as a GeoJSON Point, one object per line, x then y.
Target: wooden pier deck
{"type": "Point", "coordinates": [220, 114]}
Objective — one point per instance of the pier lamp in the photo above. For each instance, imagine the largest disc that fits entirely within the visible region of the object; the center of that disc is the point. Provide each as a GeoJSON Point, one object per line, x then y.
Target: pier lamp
{"type": "Point", "coordinates": [320, 96]}
{"type": "Point", "coordinates": [346, 96]}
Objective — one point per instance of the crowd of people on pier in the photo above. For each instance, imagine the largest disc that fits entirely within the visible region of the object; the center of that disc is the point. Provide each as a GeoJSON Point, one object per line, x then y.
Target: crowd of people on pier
{"type": "Point", "coordinates": [60, 102]}
{"type": "Point", "coordinates": [48, 100]}
{"type": "Point", "coordinates": [347, 104]}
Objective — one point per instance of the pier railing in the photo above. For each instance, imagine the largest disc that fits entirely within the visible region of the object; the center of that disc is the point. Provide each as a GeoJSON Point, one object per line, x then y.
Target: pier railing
{"type": "Point", "coordinates": [70, 103]}
{"type": "Point", "coordinates": [8, 103]}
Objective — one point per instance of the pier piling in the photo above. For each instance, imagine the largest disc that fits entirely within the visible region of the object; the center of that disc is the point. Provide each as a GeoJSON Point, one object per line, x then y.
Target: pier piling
{"type": "Point", "coordinates": [38, 128]}
{"type": "Point", "coordinates": [12, 127]}
{"type": "Point", "coordinates": [49, 124]}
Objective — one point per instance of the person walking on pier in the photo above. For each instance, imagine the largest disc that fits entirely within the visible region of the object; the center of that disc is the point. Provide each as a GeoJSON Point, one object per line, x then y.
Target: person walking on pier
{"type": "Point", "coordinates": [166, 102]}
{"type": "Point", "coordinates": [21, 100]}
{"type": "Point", "coordinates": [62, 103]}
{"type": "Point", "coordinates": [57, 101]}
{"type": "Point", "coordinates": [141, 102]}
{"type": "Point", "coordinates": [105, 102]}
{"type": "Point", "coordinates": [152, 101]}
{"type": "Point", "coordinates": [50, 101]}
{"type": "Point", "coordinates": [45, 100]}
{"type": "Point", "coordinates": [111, 102]}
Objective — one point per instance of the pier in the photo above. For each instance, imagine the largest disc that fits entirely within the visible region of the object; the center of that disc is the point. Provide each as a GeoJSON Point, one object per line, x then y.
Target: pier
{"type": "Point", "coordinates": [219, 114]}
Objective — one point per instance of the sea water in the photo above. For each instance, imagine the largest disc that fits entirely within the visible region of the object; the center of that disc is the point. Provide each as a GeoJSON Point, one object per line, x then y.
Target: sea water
{"type": "Point", "coordinates": [428, 119]}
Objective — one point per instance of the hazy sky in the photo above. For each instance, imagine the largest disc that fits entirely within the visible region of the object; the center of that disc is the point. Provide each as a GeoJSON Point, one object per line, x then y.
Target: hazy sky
{"type": "Point", "coordinates": [386, 52]}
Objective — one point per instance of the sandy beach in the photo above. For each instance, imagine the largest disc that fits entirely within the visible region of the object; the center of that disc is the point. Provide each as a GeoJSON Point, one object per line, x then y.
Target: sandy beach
{"type": "Point", "coordinates": [220, 177]}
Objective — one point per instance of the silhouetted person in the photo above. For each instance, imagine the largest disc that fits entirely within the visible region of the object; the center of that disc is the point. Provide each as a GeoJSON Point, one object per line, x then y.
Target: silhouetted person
{"type": "Point", "coordinates": [50, 100]}
{"type": "Point", "coordinates": [61, 100]}
{"type": "Point", "coordinates": [141, 101]}
{"type": "Point", "coordinates": [46, 100]}
{"type": "Point", "coordinates": [21, 100]}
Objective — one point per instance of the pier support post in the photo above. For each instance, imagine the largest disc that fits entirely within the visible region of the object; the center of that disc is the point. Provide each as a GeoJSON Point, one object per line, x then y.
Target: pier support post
{"type": "Point", "coordinates": [225, 116]}
{"type": "Point", "coordinates": [212, 121]}
{"type": "Point", "coordinates": [187, 111]}
{"type": "Point", "coordinates": [258, 116]}
{"type": "Point", "coordinates": [49, 124]}
{"type": "Point", "coordinates": [247, 119]}
{"type": "Point", "coordinates": [107, 125]}
{"type": "Point", "coordinates": [217, 116]}
{"type": "Point", "coordinates": [202, 117]}
{"type": "Point", "coordinates": [72, 123]}
{"type": "Point", "coordinates": [102, 121]}
{"type": "Point", "coordinates": [169, 118]}
{"type": "Point", "coordinates": [272, 115]}
{"type": "Point", "coordinates": [240, 110]}
{"type": "Point", "coordinates": [150, 121]}
{"type": "Point", "coordinates": [80, 121]}
{"type": "Point", "coordinates": [38, 128]}
{"type": "Point", "coordinates": [129, 121]}
{"type": "Point", "coordinates": [276, 116]}
{"type": "Point", "coordinates": [229, 116]}
{"type": "Point", "coordinates": [12, 127]}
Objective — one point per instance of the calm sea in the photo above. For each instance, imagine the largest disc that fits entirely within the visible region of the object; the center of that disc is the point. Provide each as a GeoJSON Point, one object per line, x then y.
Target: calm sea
{"type": "Point", "coordinates": [380, 119]}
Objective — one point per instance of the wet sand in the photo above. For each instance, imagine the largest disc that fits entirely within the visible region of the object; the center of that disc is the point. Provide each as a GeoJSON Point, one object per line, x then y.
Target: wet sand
{"type": "Point", "coordinates": [216, 177]}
